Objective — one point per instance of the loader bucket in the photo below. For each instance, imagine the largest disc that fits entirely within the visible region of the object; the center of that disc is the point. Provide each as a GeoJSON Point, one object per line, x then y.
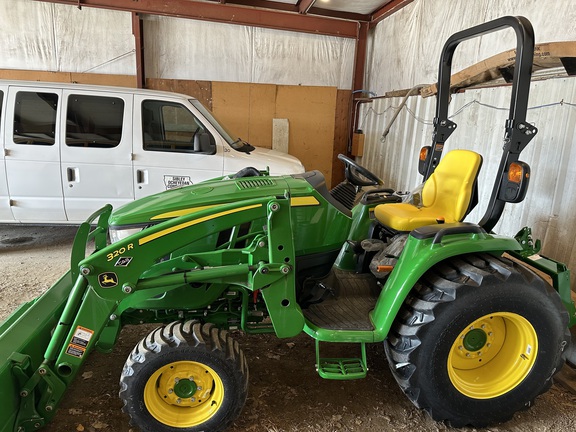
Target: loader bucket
{"type": "Point", "coordinates": [25, 336]}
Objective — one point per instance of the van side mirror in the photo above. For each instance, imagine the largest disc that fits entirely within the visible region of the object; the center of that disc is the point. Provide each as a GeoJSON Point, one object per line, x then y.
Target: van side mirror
{"type": "Point", "coordinates": [424, 159]}
{"type": "Point", "coordinates": [515, 182]}
{"type": "Point", "coordinates": [204, 143]}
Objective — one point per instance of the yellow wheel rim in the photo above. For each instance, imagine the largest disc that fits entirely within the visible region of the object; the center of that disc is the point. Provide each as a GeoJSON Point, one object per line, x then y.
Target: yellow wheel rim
{"type": "Point", "coordinates": [183, 394]}
{"type": "Point", "coordinates": [492, 355]}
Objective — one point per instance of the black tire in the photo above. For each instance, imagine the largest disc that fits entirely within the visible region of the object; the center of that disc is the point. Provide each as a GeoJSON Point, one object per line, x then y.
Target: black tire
{"type": "Point", "coordinates": [184, 377]}
{"type": "Point", "coordinates": [473, 309]}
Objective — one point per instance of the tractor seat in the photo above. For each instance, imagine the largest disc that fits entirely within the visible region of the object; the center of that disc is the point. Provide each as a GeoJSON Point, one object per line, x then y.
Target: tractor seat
{"type": "Point", "coordinates": [446, 196]}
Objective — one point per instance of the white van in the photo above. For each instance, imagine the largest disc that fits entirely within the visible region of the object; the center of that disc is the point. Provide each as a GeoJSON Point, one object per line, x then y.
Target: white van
{"type": "Point", "coordinates": [66, 150]}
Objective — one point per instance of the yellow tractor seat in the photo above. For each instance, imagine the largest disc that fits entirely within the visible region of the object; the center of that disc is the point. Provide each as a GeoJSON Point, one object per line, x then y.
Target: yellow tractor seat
{"type": "Point", "coordinates": [446, 195]}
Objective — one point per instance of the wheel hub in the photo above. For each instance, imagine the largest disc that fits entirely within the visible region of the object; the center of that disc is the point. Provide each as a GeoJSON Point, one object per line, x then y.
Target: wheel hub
{"type": "Point", "coordinates": [475, 339]}
{"type": "Point", "coordinates": [185, 388]}
{"type": "Point", "coordinates": [186, 384]}
{"type": "Point", "coordinates": [478, 342]}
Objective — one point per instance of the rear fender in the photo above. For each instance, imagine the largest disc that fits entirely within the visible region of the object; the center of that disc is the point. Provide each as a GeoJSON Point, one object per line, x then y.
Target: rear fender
{"type": "Point", "coordinates": [425, 248]}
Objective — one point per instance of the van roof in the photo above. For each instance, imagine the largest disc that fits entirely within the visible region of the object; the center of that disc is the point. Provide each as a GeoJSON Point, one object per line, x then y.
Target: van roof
{"type": "Point", "coordinates": [91, 87]}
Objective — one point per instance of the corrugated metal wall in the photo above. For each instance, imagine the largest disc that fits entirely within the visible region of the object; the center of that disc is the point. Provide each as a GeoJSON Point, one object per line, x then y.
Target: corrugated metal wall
{"type": "Point", "coordinates": [550, 205]}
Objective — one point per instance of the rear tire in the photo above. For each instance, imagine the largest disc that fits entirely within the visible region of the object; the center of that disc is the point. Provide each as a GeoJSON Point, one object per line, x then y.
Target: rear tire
{"type": "Point", "coordinates": [184, 377]}
{"type": "Point", "coordinates": [478, 339]}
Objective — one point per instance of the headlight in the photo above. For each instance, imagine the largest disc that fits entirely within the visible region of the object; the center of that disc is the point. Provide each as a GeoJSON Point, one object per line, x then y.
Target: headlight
{"type": "Point", "coordinates": [120, 233]}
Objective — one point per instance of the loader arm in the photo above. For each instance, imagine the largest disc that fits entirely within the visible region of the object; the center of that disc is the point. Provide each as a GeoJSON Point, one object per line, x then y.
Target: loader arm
{"type": "Point", "coordinates": [90, 306]}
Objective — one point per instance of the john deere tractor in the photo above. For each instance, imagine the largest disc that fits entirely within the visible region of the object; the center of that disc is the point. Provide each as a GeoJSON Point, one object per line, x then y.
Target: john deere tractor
{"type": "Point", "coordinates": [471, 330]}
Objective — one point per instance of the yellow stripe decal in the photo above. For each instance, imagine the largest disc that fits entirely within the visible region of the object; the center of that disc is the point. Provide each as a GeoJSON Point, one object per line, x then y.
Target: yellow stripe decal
{"type": "Point", "coordinates": [175, 228]}
{"type": "Point", "coordinates": [304, 201]}
{"type": "Point", "coordinates": [183, 212]}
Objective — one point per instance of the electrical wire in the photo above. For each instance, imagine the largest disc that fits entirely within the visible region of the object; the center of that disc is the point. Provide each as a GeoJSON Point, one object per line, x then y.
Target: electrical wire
{"type": "Point", "coordinates": [461, 109]}
{"type": "Point", "coordinates": [112, 60]}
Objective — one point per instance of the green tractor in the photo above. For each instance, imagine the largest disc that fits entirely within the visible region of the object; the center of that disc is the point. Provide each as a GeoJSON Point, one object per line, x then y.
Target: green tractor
{"type": "Point", "coordinates": [471, 334]}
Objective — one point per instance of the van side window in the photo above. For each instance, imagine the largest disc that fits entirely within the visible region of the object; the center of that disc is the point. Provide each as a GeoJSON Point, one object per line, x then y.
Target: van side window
{"type": "Point", "coordinates": [170, 127]}
{"type": "Point", "coordinates": [94, 121]}
{"type": "Point", "coordinates": [35, 118]}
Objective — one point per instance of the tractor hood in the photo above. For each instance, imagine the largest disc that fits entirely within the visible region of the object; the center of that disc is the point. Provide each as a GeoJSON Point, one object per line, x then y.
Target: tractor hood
{"type": "Point", "coordinates": [178, 202]}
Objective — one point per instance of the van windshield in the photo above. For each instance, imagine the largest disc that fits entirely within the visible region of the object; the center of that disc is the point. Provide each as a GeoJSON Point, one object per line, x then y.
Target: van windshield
{"type": "Point", "coordinates": [236, 143]}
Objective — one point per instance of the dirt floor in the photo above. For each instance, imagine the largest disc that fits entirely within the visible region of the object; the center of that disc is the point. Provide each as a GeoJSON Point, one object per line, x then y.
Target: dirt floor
{"type": "Point", "coordinates": [285, 392]}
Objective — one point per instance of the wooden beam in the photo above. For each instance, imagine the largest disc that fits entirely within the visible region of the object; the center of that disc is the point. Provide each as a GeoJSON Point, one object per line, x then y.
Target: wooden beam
{"type": "Point", "coordinates": [388, 9]}
{"type": "Point", "coordinates": [546, 55]}
{"type": "Point", "coordinates": [227, 13]}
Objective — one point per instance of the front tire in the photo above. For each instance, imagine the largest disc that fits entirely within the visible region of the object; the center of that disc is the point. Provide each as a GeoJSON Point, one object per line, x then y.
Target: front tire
{"type": "Point", "coordinates": [184, 377]}
{"type": "Point", "coordinates": [478, 339]}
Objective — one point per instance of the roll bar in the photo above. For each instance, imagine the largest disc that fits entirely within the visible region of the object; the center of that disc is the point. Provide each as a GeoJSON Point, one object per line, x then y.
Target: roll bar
{"type": "Point", "coordinates": [518, 133]}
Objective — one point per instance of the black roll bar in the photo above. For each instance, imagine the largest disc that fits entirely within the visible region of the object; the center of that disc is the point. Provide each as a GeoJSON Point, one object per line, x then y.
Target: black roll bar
{"type": "Point", "coordinates": [517, 132]}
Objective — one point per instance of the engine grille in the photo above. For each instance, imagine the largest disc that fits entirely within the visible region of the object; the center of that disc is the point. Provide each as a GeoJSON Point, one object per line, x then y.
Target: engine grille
{"type": "Point", "coordinates": [253, 183]}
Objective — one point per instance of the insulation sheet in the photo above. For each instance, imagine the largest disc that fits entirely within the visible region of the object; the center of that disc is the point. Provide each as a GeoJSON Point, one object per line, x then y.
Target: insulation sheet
{"type": "Point", "coordinates": [50, 37]}
{"type": "Point", "coordinates": [178, 48]}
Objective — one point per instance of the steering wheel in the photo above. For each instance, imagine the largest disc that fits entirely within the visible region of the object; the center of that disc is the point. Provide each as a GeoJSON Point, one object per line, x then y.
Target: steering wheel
{"type": "Point", "coordinates": [352, 169]}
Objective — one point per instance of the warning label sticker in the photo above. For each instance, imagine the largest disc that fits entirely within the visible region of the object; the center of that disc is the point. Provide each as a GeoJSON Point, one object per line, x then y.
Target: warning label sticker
{"type": "Point", "coordinates": [81, 337]}
{"type": "Point", "coordinates": [75, 351]}
{"type": "Point", "coordinates": [174, 182]}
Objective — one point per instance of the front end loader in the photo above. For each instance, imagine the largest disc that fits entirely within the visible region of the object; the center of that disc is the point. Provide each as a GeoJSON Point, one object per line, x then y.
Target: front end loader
{"type": "Point", "coordinates": [472, 333]}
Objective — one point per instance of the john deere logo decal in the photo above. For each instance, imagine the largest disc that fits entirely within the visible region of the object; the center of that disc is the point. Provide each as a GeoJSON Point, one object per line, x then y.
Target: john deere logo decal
{"type": "Point", "coordinates": [108, 280]}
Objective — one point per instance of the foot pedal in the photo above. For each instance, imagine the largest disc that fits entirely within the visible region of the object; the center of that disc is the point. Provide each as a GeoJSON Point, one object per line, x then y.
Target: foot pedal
{"type": "Point", "coordinates": [341, 368]}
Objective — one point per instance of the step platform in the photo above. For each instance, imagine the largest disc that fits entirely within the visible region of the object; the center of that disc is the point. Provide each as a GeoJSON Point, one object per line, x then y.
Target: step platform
{"type": "Point", "coordinates": [342, 368]}
{"type": "Point", "coordinates": [349, 297]}
{"type": "Point", "coordinates": [345, 302]}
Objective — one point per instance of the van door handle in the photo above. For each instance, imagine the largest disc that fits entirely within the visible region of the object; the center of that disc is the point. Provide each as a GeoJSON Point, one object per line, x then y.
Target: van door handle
{"type": "Point", "coordinates": [142, 176]}
{"type": "Point", "coordinates": [73, 174]}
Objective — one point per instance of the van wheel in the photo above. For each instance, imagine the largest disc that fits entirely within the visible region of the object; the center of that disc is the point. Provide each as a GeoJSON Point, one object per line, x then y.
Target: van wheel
{"type": "Point", "coordinates": [478, 339]}
{"type": "Point", "coordinates": [187, 377]}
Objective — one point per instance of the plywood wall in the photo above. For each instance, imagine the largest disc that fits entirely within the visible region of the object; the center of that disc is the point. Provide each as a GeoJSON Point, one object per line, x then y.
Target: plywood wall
{"type": "Point", "coordinates": [201, 90]}
{"type": "Point", "coordinates": [69, 77]}
{"type": "Point", "coordinates": [310, 111]}
{"type": "Point", "coordinates": [343, 120]}
{"type": "Point", "coordinates": [248, 111]}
